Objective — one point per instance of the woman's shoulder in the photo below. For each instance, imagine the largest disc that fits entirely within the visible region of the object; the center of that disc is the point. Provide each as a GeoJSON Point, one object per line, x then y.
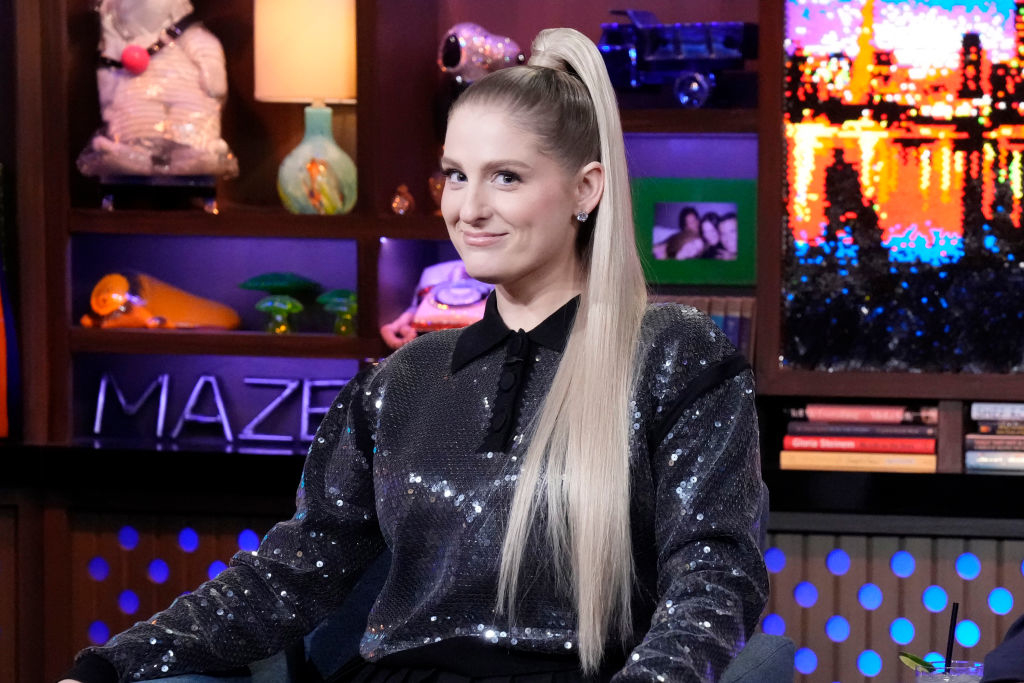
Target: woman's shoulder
{"type": "Point", "coordinates": [683, 336]}
{"type": "Point", "coordinates": [433, 349]}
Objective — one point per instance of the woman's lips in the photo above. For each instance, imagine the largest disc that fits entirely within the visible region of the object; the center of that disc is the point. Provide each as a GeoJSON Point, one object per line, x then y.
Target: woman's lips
{"type": "Point", "coordinates": [482, 239]}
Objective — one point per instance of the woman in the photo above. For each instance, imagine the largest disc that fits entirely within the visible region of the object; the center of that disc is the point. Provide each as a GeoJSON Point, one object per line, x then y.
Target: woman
{"type": "Point", "coordinates": [577, 502]}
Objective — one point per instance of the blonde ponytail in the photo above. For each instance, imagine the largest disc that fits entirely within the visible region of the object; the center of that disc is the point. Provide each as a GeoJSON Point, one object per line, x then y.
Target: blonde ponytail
{"type": "Point", "coordinates": [578, 459]}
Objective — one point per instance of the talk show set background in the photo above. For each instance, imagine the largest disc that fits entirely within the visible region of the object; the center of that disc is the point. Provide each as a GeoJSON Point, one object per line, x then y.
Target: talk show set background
{"type": "Point", "coordinates": [838, 184]}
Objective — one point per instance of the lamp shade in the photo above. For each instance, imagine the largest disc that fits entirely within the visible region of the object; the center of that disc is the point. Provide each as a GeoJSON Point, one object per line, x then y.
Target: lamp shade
{"type": "Point", "coordinates": [305, 50]}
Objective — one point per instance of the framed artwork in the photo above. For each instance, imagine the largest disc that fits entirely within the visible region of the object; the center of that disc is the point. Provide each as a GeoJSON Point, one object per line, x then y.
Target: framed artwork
{"type": "Point", "coordinates": [904, 134]}
{"type": "Point", "coordinates": [698, 231]}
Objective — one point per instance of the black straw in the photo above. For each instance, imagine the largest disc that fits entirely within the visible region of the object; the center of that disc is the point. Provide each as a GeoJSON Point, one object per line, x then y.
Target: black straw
{"type": "Point", "coordinates": [952, 633]}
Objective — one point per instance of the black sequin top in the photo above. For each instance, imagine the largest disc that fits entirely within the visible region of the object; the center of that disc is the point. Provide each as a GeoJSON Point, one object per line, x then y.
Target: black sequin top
{"type": "Point", "coordinates": [420, 453]}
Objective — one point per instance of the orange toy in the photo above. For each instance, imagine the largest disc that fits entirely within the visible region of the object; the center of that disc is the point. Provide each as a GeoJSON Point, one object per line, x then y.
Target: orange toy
{"type": "Point", "coordinates": [139, 300]}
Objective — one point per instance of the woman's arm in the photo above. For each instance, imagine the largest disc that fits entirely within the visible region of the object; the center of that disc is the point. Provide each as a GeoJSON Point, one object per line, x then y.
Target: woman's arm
{"type": "Point", "coordinates": [272, 596]}
{"type": "Point", "coordinates": [712, 584]}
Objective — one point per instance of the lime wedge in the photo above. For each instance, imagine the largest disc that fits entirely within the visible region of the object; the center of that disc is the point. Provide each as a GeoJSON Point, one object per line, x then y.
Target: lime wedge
{"type": "Point", "coordinates": [915, 662]}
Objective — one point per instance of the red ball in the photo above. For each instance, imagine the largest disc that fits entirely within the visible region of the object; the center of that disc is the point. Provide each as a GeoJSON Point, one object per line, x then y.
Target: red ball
{"type": "Point", "coordinates": [135, 59]}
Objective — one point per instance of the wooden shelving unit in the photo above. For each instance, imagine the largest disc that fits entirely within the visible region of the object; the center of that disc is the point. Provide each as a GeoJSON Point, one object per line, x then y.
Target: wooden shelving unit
{"type": "Point", "coordinates": [689, 120]}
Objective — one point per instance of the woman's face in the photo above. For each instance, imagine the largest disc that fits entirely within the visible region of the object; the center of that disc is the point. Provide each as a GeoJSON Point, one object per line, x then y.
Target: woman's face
{"type": "Point", "coordinates": [509, 208]}
{"type": "Point", "coordinates": [709, 231]}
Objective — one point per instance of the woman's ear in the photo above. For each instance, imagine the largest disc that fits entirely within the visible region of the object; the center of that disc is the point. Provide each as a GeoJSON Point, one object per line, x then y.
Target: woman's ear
{"type": "Point", "coordinates": [590, 187]}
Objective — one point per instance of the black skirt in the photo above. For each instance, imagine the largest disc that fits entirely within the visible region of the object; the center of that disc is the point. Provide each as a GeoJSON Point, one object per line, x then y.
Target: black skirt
{"type": "Point", "coordinates": [468, 660]}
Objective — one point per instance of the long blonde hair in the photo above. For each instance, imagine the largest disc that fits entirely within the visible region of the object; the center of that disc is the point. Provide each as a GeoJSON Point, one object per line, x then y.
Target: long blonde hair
{"type": "Point", "coordinates": [577, 462]}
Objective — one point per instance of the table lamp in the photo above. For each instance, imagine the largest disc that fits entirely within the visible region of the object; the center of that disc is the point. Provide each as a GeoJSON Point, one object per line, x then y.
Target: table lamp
{"type": "Point", "coordinates": [305, 51]}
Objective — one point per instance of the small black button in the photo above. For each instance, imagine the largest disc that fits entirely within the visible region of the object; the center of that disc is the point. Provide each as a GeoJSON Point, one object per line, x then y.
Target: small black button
{"type": "Point", "coordinates": [507, 381]}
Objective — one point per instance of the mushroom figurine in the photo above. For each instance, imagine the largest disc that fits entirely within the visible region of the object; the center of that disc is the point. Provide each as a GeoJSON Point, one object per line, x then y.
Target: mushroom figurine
{"type": "Point", "coordinates": [342, 303]}
{"type": "Point", "coordinates": [279, 307]}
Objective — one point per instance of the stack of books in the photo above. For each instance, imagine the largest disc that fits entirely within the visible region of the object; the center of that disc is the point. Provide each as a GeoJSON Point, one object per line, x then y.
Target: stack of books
{"type": "Point", "coordinates": [861, 438]}
{"type": "Point", "coordinates": [998, 441]}
{"type": "Point", "coordinates": [733, 314]}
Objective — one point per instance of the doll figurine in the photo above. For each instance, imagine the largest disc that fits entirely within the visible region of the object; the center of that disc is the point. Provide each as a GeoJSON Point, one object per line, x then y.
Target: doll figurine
{"type": "Point", "coordinates": [162, 81]}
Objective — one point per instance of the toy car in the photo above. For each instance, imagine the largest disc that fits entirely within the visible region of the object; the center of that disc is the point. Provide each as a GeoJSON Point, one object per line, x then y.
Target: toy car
{"type": "Point", "coordinates": [689, 65]}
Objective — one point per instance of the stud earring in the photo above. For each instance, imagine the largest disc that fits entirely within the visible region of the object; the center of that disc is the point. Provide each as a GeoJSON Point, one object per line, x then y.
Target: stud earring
{"type": "Point", "coordinates": [582, 216]}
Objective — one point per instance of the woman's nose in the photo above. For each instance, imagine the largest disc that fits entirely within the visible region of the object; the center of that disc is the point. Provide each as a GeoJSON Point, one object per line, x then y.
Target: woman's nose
{"type": "Point", "coordinates": [474, 206]}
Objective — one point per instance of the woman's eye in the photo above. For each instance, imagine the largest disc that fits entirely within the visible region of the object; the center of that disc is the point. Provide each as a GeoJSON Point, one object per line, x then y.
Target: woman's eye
{"type": "Point", "coordinates": [453, 176]}
{"type": "Point", "coordinates": [506, 178]}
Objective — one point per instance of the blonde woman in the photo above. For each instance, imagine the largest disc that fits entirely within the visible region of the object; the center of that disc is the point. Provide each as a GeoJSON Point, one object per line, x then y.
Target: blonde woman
{"type": "Point", "coordinates": [570, 488]}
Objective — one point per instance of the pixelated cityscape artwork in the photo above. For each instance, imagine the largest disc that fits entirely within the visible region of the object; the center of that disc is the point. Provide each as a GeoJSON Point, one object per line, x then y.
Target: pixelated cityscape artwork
{"type": "Point", "coordinates": [904, 129]}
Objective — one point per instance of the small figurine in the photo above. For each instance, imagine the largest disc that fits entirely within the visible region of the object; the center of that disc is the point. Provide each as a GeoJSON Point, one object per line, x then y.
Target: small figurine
{"type": "Point", "coordinates": [130, 299]}
{"type": "Point", "coordinates": [162, 81]}
{"type": "Point", "coordinates": [279, 307]}
{"type": "Point", "coordinates": [468, 51]}
{"type": "Point", "coordinates": [341, 302]}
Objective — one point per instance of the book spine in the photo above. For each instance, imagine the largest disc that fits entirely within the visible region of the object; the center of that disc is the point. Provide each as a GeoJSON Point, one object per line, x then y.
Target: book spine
{"type": "Point", "coordinates": [994, 460]}
{"type": "Point", "coordinates": [995, 427]}
{"type": "Point", "coordinates": [827, 412]}
{"type": "Point", "coordinates": [860, 429]}
{"type": "Point", "coordinates": [859, 443]}
{"type": "Point", "coordinates": [747, 327]}
{"type": "Point", "coordinates": [732, 321]}
{"type": "Point", "coordinates": [997, 411]}
{"type": "Point", "coordinates": [846, 461]}
{"type": "Point", "coordinates": [993, 442]}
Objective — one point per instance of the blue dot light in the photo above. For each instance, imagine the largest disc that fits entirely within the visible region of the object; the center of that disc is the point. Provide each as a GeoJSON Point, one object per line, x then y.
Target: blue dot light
{"type": "Point", "coordinates": [775, 560]}
{"type": "Point", "coordinates": [934, 599]}
{"type": "Point", "coordinates": [870, 596]}
{"type": "Point", "coordinates": [98, 569]}
{"type": "Point", "coordinates": [869, 663]}
{"type": "Point", "coordinates": [98, 633]}
{"type": "Point", "coordinates": [127, 538]}
{"type": "Point", "coordinates": [967, 633]}
{"type": "Point", "coordinates": [837, 628]}
{"type": "Point", "coordinates": [158, 571]}
{"type": "Point", "coordinates": [901, 631]}
{"type": "Point", "coordinates": [128, 602]}
{"type": "Point", "coordinates": [934, 658]}
{"type": "Point", "coordinates": [968, 566]}
{"type": "Point", "coordinates": [838, 562]}
{"type": "Point", "coordinates": [806, 594]}
{"type": "Point", "coordinates": [902, 564]}
{"type": "Point", "coordinates": [773, 625]}
{"type": "Point", "coordinates": [216, 567]}
{"type": "Point", "coordinates": [188, 540]}
{"type": "Point", "coordinates": [248, 540]}
{"type": "Point", "coordinates": [1000, 601]}
{"type": "Point", "coordinates": [806, 661]}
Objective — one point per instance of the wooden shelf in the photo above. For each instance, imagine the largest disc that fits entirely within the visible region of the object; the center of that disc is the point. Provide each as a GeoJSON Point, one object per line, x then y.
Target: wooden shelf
{"type": "Point", "coordinates": [689, 120]}
{"type": "Point", "coordinates": [250, 221]}
{"type": "Point", "coordinates": [84, 340]}
{"type": "Point", "coordinates": [887, 385]}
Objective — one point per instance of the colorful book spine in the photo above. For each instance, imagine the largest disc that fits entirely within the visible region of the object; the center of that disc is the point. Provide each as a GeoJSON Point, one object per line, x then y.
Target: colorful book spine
{"type": "Point", "coordinates": [997, 411]}
{"type": "Point", "coordinates": [860, 429]}
{"type": "Point", "coordinates": [994, 460]}
{"type": "Point", "coordinates": [1002, 428]}
{"type": "Point", "coordinates": [857, 443]}
{"type": "Point", "coordinates": [852, 461]}
{"type": "Point", "coordinates": [885, 414]}
{"type": "Point", "coordinates": [993, 442]}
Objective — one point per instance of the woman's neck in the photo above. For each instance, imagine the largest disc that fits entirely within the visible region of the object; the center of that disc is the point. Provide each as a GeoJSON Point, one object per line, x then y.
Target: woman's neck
{"type": "Point", "coordinates": [525, 313]}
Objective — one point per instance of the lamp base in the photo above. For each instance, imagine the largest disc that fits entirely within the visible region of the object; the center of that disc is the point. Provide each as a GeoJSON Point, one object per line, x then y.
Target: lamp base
{"type": "Point", "coordinates": [317, 176]}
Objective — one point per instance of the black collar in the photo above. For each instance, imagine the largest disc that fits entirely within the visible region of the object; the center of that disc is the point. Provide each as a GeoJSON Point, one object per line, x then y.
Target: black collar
{"type": "Point", "coordinates": [482, 336]}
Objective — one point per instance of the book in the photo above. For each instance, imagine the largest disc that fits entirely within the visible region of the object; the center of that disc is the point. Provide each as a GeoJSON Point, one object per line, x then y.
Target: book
{"type": "Point", "coordinates": [885, 414]}
{"type": "Point", "coordinates": [860, 429]}
{"type": "Point", "coordinates": [731, 326]}
{"type": "Point", "coordinates": [716, 309]}
{"type": "Point", "coordinates": [997, 411]}
{"type": "Point", "coordinates": [864, 444]}
{"type": "Point", "coordinates": [853, 461]}
{"type": "Point", "coordinates": [994, 460]}
{"type": "Point", "coordinates": [995, 427]}
{"type": "Point", "coordinates": [993, 442]}
{"type": "Point", "coordinates": [747, 326]}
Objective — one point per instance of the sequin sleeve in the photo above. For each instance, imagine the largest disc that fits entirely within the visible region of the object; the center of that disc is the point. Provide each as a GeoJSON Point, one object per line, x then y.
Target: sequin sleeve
{"type": "Point", "coordinates": [712, 583]}
{"type": "Point", "coordinates": [302, 570]}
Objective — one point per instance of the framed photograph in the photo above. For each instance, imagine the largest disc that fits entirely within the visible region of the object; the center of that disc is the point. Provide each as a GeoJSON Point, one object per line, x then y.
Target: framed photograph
{"type": "Point", "coordinates": [696, 231]}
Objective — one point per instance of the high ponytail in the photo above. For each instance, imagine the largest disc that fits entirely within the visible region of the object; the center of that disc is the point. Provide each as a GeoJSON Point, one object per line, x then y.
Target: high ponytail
{"type": "Point", "coordinates": [578, 460]}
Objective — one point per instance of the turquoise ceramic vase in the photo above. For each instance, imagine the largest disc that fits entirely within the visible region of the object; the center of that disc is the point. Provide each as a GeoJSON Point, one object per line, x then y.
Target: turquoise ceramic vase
{"type": "Point", "coordinates": [317, 176]}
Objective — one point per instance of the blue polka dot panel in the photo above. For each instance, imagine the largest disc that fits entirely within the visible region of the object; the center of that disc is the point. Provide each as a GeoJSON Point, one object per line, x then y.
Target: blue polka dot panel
{"type": "Point", "coordinates": [127, 568]}
{"type": "Point", "coordinates": [851, 603]}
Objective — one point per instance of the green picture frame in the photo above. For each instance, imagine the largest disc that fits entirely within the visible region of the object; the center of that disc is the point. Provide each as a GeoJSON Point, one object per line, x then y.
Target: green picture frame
{"type": "Point", "coordinates": [672, 255]}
